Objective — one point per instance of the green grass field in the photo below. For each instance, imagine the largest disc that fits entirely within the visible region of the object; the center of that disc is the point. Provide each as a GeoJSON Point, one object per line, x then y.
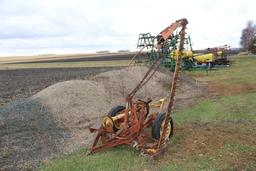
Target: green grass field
{"type": "Point", "coordinates": [240, 107]}
{"type": "Point", "coordinates": [217, 133]}
{"type": "Point", "coordinates": [242, 71]}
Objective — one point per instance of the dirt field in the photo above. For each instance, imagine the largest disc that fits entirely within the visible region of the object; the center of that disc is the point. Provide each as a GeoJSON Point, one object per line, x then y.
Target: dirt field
{"type": "Point", "coordinates": [22, 83]}
{"type": "Point", "coordinates": [85, 58]}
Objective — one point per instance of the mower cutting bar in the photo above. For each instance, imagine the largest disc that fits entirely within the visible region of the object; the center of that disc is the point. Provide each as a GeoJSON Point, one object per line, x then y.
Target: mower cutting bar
{"type": "Point", "coordinates": [184, 22]}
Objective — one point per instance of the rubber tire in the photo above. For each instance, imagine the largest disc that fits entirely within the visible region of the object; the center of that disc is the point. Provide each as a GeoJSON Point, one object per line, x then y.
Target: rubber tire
{"type": "Point", "coordinates": [114, 111]}
{"type": "Point", "coordinates": [156, 126]}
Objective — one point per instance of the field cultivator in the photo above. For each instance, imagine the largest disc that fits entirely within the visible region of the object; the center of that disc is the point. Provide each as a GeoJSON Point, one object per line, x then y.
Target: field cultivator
{"type": "Point", "coordinates": [170, 50]}
{"type": "Point", "coordinates": [128, 124]}
{"type": "Point", "coordinates": [211, 57]}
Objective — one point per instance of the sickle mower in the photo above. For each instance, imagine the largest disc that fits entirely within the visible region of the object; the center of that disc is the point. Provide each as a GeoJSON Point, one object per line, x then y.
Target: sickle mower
{"type": "Point", "coordinates": [128, 124]}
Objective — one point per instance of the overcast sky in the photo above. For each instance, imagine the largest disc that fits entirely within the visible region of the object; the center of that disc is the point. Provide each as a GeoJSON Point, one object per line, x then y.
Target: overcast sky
{"type": "Point", "coordinates": [81, 26]}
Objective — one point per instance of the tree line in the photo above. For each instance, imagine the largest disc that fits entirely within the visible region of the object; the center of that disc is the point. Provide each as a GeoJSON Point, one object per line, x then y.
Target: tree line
{"type": "Point", "coordinates": [248, 38]}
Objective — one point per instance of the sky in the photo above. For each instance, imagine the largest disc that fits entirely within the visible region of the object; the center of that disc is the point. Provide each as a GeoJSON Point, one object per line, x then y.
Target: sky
{"type": "Point", "coordinates": [34, 27]}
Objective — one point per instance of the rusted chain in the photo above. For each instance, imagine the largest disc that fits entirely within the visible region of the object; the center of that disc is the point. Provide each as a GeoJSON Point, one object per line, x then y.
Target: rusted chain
{"type": "Point", "coordinates": [147, 76]}
{"type": "Point", "coordinates": [135, 56]}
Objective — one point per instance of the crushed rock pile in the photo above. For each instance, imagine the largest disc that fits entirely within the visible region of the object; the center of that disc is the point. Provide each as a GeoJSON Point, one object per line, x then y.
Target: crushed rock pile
{"type": "Point", "coordinates": [75, 103]}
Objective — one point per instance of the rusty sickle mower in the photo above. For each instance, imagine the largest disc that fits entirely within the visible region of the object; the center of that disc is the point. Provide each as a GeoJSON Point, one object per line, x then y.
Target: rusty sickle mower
{"type": "Point", "coordinates": [127, 124]}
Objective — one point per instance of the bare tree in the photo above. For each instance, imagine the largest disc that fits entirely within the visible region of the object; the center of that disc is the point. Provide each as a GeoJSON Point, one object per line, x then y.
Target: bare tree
{"type": "Point", "coordinates": [248, 35]}
{"type": "Point", "coordinates": [252, 46]}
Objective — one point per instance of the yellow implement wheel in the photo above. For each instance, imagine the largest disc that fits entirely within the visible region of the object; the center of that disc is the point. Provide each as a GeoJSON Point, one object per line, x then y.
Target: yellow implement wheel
{"type": "Point", "coordinates": [114, 112]}
{"type": "Point", "coordinates": [168, 131]}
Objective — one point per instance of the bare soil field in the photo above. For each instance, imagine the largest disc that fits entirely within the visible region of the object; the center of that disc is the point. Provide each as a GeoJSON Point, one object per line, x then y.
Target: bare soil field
{"type": "Point", "coordinates": [109, 57]}
{"type": "Point", "coordinates": [22, 83]}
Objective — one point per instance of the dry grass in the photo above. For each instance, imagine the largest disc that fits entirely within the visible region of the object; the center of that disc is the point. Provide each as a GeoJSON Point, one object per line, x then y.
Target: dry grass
{"type": "Point", "coordinates": [38, 58]}
{"type": "Point", "coordinates": [66, 64]}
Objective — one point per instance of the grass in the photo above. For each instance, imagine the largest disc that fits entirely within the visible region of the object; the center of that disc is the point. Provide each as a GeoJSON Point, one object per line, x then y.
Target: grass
{"type": "Point", "coordinates": [231, 147]}
{"type": "Point", "coordinates": [107, 161]}
{"type": "Point", "coordinates": [242, 71]}
{"type": "Point", "coordinates": [66, 64]}
{"type": "Point", "coordinates": [220, 160]}
{"type": "Point", "coordinates": [227, 108]}
{"type": "Point", "coordinates": [193, 164]}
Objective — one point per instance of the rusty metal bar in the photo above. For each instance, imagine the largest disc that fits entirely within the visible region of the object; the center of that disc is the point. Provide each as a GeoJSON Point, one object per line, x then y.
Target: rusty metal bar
{"type": "Point", "coordinates": [182, 33]}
